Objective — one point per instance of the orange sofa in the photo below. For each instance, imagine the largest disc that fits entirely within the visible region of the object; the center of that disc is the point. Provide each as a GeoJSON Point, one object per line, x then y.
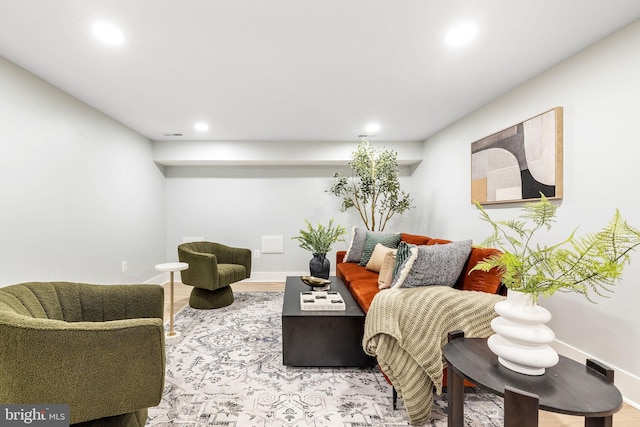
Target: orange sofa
{"type": "Point", "coordinates": [363, 283]}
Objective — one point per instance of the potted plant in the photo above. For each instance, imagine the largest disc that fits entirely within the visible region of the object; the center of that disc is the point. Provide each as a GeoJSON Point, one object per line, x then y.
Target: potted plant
{"type": "Point", "coordinates": [373, 188]}
{"type": "Point", "coordinates": [319, 241]}
{"type": "Point", "coordinates": [589, 265]}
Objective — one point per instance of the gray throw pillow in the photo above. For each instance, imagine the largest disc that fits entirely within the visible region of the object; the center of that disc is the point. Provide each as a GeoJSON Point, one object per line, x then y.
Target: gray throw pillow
{"type": "Point", "coordinates": [435, 265]}
{"type": "Point", "coordinates": [354, 253]}
{"type": "Point", "coordinates": [373, 238]}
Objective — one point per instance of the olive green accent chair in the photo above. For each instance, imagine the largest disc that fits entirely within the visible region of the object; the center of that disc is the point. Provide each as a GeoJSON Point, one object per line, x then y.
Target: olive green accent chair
{"type": "Point", "coordinates": [212, 268]}
{"type": "Point", "coordinates": [98, 348]}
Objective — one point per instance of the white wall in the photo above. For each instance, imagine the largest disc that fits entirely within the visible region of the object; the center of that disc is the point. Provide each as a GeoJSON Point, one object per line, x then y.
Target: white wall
{"type": "Point", "coordinates": [80, 192]}
{"type": "Point", "coordinates": [235, 192]}
{"type": "Point", "coordinates": [237, 205]}
{"type": "Point", "coordinates": [599, 90]}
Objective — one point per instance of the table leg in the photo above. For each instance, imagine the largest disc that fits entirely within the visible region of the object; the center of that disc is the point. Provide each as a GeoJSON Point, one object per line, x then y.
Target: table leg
{"type": "Point", "coordinates": [455, 398]}
{"type": "Point", "coordinates": [599, 421]}
{"type": "Point", "coordinates": [608, 373]}
{"type": "Point", "coordinates": [520, 408]}
{"type": "Point", "coordinates": [171, 332]}
{"type": "Point", "coordinates": [455, 390]}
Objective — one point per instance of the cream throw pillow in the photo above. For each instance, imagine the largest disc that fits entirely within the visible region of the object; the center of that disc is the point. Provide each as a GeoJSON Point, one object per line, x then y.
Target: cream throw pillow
{"type": "Point", "coordinates": [385, 278]}
{"type": "Point", "coordinates": [375, 262]}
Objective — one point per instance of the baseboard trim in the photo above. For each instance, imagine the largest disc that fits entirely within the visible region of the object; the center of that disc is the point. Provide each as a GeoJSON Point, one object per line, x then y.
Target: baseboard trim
{"type": "Point", "coordinates": [160, 279]}
{"type": "Point", "coordinates": [273, 276]}
{"type": "Point", "coordinates": [627, 383]}
{"type": "Point", "coordinates": [258, 276]}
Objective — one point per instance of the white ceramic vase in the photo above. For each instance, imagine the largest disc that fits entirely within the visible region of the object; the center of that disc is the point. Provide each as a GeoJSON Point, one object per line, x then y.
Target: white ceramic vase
{"type": "Point", "coordinates": [522, 339]}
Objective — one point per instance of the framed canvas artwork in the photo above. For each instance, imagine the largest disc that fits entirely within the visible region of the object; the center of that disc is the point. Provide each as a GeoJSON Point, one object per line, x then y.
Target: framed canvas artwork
{"type": "Point", "coordinates": [519, 163]}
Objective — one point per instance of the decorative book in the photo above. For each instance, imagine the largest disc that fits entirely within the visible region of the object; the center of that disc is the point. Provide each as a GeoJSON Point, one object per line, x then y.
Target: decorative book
{"type": "Point", "coordinates": [321, 301]}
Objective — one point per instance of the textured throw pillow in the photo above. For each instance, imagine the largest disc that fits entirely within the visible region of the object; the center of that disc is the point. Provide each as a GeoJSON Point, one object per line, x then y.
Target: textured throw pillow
{"type": "Point", "coordinates": [402, 254]}
{"type": "Point", "coordinates": [372, 239]}
{"type": "Point", "coordinates": [375, 262]}
{"type": "Point", "coordinates": [354, 253]}
{"type": "Point", "coordinates": [385, 278]}
{"type": "Point", "coordinates": [435, 265]}
{"type": "Point", "coordinates": [409, 253]}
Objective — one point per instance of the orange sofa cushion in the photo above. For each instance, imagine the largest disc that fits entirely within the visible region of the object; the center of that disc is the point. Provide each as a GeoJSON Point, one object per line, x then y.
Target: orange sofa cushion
{"type": "Point", "coordinates": [349, 272]}
{"type": "Point", "coordinates": [363, 291]}
{"type": "Point", "coordinates": [484, 281]}
{"type": "Point", "coordinates": [438, 242]}
{"type": "Point", "coordinates": [414, 239]}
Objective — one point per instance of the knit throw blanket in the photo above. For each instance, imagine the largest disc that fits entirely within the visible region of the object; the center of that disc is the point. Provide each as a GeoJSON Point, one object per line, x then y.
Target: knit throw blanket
{"type": "Point", "coordinates": [406, 330]}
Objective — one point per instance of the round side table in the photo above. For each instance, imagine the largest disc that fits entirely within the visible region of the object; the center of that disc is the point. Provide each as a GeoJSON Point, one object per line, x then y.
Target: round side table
{"type": "Point", "coordinates": [172, 267]}
{"type": "Point", "coordinates": [566, 388]}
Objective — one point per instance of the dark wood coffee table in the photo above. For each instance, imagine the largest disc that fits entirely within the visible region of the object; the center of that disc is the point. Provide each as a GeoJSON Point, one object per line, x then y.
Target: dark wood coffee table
{"type": "Point", "coordinates": [322, 338]}
{"type": "Point", "coordinates": [567, 388]}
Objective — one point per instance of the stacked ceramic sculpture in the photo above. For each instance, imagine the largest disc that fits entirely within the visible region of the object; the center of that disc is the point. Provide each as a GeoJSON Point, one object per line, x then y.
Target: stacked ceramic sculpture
{"type": "Point", "coordinates": [522, 339]}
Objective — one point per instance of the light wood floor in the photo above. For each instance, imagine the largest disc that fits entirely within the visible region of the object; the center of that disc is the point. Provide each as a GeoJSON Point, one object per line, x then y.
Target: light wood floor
{"type": "Point", "coordinates": [626, 417]}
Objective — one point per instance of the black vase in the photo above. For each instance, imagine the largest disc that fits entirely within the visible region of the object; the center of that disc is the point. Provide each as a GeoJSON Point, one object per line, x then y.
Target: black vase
{"type": "Point", "coordinates": [319, 266]}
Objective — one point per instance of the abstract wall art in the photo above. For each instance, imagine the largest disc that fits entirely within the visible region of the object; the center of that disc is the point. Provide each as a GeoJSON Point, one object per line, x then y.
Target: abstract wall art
{"type": "Point", "coordinates": [520, 162]}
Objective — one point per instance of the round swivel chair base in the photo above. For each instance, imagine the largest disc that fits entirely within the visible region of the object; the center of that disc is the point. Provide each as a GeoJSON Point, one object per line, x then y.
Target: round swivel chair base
{"type": "Point", "coordinates": [205, 299]}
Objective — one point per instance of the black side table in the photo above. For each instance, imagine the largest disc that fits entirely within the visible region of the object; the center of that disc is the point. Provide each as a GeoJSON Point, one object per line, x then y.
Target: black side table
{"type": "Point", "coordinates": [567, 388]}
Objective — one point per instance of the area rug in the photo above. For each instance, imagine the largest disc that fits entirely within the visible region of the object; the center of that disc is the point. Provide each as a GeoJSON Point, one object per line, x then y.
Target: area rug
{"type": "Point", "coordinates": [225, 369]}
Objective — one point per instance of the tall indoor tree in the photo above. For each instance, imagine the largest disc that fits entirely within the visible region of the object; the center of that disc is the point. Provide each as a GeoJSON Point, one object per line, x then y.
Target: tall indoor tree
{"type": "Point", "coordinates": [373, 188]}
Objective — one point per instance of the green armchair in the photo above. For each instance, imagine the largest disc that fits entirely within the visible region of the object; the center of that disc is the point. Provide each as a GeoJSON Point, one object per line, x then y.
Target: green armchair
{"type": "Point", "coordinates": [98, 348]}
{"type": "Point", "coordinates": [212, 268]}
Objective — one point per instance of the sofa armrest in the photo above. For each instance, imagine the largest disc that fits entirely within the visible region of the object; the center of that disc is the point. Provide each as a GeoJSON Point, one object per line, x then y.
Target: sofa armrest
{"type": "Point", "coordinates": [340, 256]}
{"type": "Point", "coordinates": [100, 369]}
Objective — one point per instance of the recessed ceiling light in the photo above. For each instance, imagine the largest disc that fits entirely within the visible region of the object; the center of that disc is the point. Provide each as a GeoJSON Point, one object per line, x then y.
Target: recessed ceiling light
{"type": "Point", "coordinates": [461, 34]}
{"type": "Point", "coordinates": [372, 127]}
{"type": "Point", "coordinates": [201, 127]}
{"type": "Point", "coordinates": [108, 33]}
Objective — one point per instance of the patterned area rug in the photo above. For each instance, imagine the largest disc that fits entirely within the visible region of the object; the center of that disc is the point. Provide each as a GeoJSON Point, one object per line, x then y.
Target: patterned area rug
{"type": "Point", "coordinates": [225, 369]}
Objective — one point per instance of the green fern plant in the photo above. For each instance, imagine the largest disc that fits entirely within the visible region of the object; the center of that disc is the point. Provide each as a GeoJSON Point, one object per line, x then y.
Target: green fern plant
{"type": "Point", "coordinates": [320, 239]}
{"type": "Point", "coordinates": [589, 265]}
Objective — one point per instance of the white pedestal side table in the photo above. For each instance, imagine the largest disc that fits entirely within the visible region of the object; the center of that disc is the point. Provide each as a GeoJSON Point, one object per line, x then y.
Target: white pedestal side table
{"type": "Point", "coordinates": [172, 267]}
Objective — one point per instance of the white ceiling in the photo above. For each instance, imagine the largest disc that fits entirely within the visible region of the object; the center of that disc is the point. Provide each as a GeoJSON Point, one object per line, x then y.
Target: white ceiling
{"type": "Point", "coordinates": [297, 70]}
